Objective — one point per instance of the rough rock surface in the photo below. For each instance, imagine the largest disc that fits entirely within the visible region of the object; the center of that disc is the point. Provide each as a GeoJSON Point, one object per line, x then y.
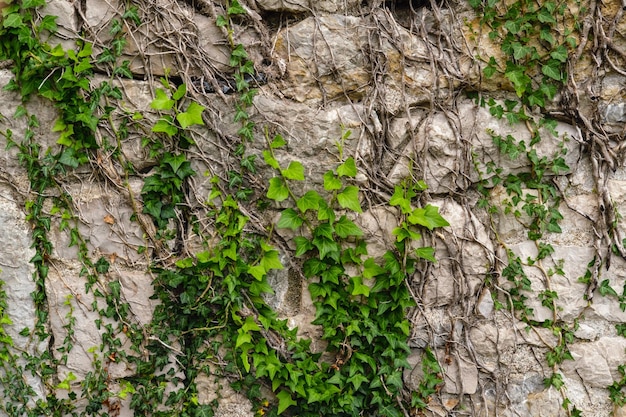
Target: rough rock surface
{"type": "Point", "coordinates": [397, 80]}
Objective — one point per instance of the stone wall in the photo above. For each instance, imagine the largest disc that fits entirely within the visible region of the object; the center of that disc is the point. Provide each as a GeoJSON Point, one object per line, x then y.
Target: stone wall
{"type": "Point", "coordinates": [396, 74]}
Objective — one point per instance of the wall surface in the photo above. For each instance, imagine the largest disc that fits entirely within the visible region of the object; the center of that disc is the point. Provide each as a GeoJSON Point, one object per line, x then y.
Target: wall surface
{"type": "Point", "coordinates": [397, 75]}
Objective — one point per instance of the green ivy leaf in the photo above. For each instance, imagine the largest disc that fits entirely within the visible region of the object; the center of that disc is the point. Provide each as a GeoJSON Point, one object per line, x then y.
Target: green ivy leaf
{"type": "Point", "coordinates": [347, 169]}
{"type": "Point", "coordinates": [68, 158]}
{"type": "Point", "coordinates": [250, 325]}
{"type": "Point", "coordinates": [345, 227]}
{"type": "Point", "coordinates": [174, 161]}
{"type": "Point", "coordinates": [398, 199]}
{"type": "Point", "coordinates": [331, 182]}
{"type": "Point", "coordinates": [221, 21]}
{"type": "Point", "coordinates": [560, 54]}
{"type": "Point", "coordinates": [303, 245]}
{"type": "Point", "coordinates": [552, 69]}
{"type": "Point", "coordinates": [349, 198]}
{"type": "Point", "coordinates": [278, 190]}
{"type": "Point", "coordinates": [180, 92]}
{"type": "Point", "coordinates": [428, 217]}
{"type": "Point", "coordinates": [358, 287]}
{"type": "Point", "coordinates": [284, 401]}
{"type": "Point", "coordinates": [270, 160]}
{"type": "Point", "coordinates": [289, 219]}
{"type": "Point", "coordinates": [13, 20]}
{"type": "Point", "coordinates": [162, 101]}
{"type": "Point", "coordinates": [278, 142]}
{"type": "Point", "coordinates": [372, 269]}
{"type": "Point", "coordinates": [325, 212]}
{"type": "Point", "coordinates": [427, 253]}
{"type": "Point", "coordinates": [270, 260]}
{"type": "Point", "coordinates": [545, 16]}
{"type": "Point", "coordinates": [234, 9]}
{"type": "Point", "coordinates": [295, 171]}
{"type": "Point", "coordinates": [309, 201]}
{"type": "Point", "coordinates": [257, 271]}
{"type": "Point", "coordinates": [193, 116]}
{"type": "Point", "coordinates": [165, 125]}
{"type": "Point", "coordinates": [518, 77]}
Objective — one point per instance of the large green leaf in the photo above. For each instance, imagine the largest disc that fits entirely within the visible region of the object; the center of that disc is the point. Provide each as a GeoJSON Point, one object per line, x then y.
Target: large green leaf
{"type": "Point", "coordinates": [161, 101]}
{"type": "Point", "coordinates": [278, 189]}
{"type": "Point", "coordinates": [289, 219]}
{"type": "Point", "coordinates": [284, 401]}
{"type": "Point", "coordinates": [349, 198]}
{"type": "Point", "coordinates": [331, 182]}
{"type": "Point", "coordinates": [310, 200]}
{"type": "Point", "coordinates": [193, 116]}
{"type": "Point", "coordinates": [428, 217]}
{"type": "Point", "coordinates": [295, 171]}
{"type": "Point", "coordinates": [345, 227]}
{"type": "Point", "coordinates": [347, 169]}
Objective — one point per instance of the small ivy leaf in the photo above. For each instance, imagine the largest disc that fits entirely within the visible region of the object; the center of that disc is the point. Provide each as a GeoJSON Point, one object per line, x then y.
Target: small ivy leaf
{"type": "Point", "coordinates": [325, 246]}
{"type": "Point", "coordinates": [332, 299]}
{"type": "Point", "coordinates": [295, 171]}
{"type": "Point", "coordinates": [427, 253]}
{"type": "Point", "coordinates": [68, 158]}
{"type": "Point", "coordinates": [243, 337]}
{"type": "Point", "coordinates": [162, 101]}
{"type": "Point", "coordinates": [358, 287]}
{"type": "Point", "coordinates": [357, 380]}
{"type": "Point", "coordinates": [221, 21]}
{"type": "Point", "coordinates": [174, 161]}
{"type": "Point", "coordinates": [270, 160]}
{"type": "Point", "coordinates": [345, 227]}
{"type": "Point", "coordinates": [165, 125]}
{"type": "Point", "coordinates": [544, 16]}
{"type": "Point", "coordinates": [518, 77]}
{"type": "Point", "coordinates": [317, 290]}
{"type": "Point", "coordinates": [14, 20]}
{"type": "Point", "coordinates": [552, 69]}
{"type": "Point", "coordinates": [303, 245]}
{"type": "Point", "coordinates": [325, 212]}
{"type": "Point", "coordinates": [398, 199]}
{"type": "Point", "coordinates": [372, 269]}
{"type": "Point", "coordinates": [331, 182]}
{"type": "Point", "coordinates": [284, 401]}
{"type": "Point", "coordinates": [403, 232]}
{"type": "Point", "coordinates": [513, 26]}
{"type": "Point", "coordinates": [428, 217]}
{"type": "Point", "coordinates": [278, 142]}
{"type": "Point", "coordinates": [234, 9]}
{"type": "Point", "coordinates": [278, 189]}
{"type": "Point", "coordinates": [347, 169]}
{"type": "Point", "coordinates": [310, 200]}
{"type": "Point", "coordinates": [349, 198]}
{"type": "Point", "coordinates": [193, 116]}
{"type": "Point", "coordinates": [180, 92]}
{"type": "Point", "coordinates": [237, 55]}
{"type": "Point", "coordinates": [289, 219]}
{"type": "Point", "coordinates": [257, 271]}
{"type": "Point", "coordinates": [546, 35]}
{"type": "Point", "coordinates": [250, 325]}
{"type": "Point", "coordinates": [324, 230]}
{"type": "Point", "coordinates": [560, 54]}
{"type": "Point", "coordinates": [270, 260]}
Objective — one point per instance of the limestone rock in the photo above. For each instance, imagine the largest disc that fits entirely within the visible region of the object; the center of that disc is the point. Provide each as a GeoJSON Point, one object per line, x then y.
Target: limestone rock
{"type": "Point", "coordinates": [596, 362]}
{"type": "Point", "coordinates": [105, 221]}
{"type": "Point", "coordinates": [296, 6]}
{"type": "Point", "coordinates": [324, 58]}
{"type": "Point", "coordinates": [16, 274]}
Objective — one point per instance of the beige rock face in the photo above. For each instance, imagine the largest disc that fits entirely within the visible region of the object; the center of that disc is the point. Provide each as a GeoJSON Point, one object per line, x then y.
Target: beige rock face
{"type": "Point", "coordinates": [388, 86]}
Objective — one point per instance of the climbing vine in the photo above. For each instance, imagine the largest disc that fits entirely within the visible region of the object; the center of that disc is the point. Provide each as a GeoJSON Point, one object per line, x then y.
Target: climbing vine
{"type": "Point", "coordinates": [212, 320]}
